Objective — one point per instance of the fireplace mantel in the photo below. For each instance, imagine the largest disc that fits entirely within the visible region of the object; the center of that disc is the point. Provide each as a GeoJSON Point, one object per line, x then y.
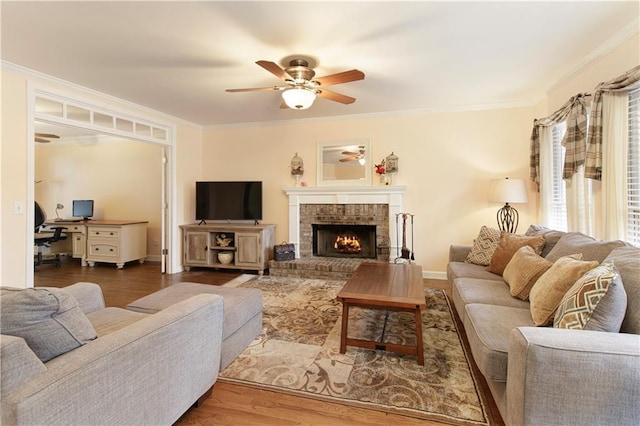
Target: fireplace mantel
{"type": "Point", "coordinates": [391, 195]}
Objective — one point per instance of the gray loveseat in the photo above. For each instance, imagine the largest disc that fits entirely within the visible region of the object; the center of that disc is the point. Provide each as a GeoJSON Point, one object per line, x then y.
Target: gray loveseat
{"type": "Point", "coordinates": [546, 375]}
{"type": "Point", "coordinates": [141, 369]}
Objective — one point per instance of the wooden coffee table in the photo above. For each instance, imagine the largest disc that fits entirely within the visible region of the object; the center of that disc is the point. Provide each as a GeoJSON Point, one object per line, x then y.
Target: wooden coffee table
{"type": "Point", "coordinates": [384, 286]}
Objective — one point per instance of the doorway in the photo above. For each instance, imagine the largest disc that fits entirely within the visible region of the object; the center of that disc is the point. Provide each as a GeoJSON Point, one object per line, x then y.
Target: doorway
{"type": "Point", "coordinates": [87, 129]}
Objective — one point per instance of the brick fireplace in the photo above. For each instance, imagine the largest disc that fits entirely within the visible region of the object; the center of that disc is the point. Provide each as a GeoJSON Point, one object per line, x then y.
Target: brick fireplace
{"type": "Point", "coordinates": [372, 206]}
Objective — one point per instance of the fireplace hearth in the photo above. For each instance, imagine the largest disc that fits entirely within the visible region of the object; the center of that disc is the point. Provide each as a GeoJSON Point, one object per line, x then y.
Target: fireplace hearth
{"type": "Point", "coordinates": [337, 240]}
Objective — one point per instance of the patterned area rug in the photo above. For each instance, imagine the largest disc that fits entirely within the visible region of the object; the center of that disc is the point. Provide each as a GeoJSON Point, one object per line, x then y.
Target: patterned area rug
{"type": "Point", "coordinates": [298, 352]}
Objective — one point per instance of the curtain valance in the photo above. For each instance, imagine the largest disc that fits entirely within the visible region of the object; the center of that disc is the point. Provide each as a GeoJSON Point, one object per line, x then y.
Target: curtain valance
{"type": "Point", "coordinates": [593, 165]}
{"type": "Point", "coordinates": [574, 112]}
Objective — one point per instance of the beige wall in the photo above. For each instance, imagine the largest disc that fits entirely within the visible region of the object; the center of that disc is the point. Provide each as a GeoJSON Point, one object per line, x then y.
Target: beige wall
{"type": "Point", "coordinates": [446, 162]}
{"type": "Point", "coordinates": [124, 178]}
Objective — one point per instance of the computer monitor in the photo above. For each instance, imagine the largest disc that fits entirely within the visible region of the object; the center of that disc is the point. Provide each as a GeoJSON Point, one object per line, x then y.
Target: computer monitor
{"type": "Point", "coordinates": [82, 208]}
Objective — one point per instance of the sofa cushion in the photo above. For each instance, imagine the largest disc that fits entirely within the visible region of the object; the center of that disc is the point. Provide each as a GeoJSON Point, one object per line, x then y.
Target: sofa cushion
{"type": "Point", "coordinates": [627, 261]}
{"type": "Point", "coordinates": [488, 328]}
{"type": "Point", "coordinates": [108, 320]}
{"type": "Point", "coordinates": [240, 304]}
{"type": "Point", "coordinates": [508, 246]}
{"type": "Point", "coordinates": [465, 291]}
{"type": "Point", "coordinates": [524, 269]}
{"type": "Point", "coordinates": [551, 237]}
{"type": "Point", "coordinates": [548, 291]}
{"type": "Point", "coordinates": [19, 364]}
{"type": "Point", "coordinates": [596, 301]}
{"type": "Point", "coordinates": [576, 242]}
{"type": "Point", "coordinates": [48, 319]}
{"type": "Point", "coordinates": [469, 270]}
{"type": "Point", "coordinates": [484, 246]}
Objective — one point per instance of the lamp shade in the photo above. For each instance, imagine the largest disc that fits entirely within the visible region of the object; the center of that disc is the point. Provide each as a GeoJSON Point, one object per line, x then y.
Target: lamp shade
{"type": "Point", "coordinates": [298, 98]}
{"type": "Point", "coordinates": [508, 191]}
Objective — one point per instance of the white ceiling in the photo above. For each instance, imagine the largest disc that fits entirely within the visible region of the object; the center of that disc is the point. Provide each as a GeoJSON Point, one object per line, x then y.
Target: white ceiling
{"type": "Point", "coordinates": [179, 57]}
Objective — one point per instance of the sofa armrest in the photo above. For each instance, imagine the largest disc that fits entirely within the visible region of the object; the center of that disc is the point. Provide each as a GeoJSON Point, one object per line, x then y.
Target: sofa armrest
{"type": "Point", "coordinates": [558, 377]}
{"type": "Point", "coordinates": [88, 295]}
{"type": "Point", "coordinates": [149, 372]}
{"type": "Point", "coordinates": [459, 253]}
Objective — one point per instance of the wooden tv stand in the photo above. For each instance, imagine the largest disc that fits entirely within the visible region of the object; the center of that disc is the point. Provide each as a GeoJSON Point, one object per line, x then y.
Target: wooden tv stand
{"type": "Point", "coordinates": [251, 245]}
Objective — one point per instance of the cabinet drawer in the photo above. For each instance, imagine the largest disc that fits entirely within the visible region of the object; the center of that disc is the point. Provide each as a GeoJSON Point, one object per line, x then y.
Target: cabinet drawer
{"type": "Point", "coordinates": [104, 250]}
{"type": "Point", "coordinates": [76, 228]}
{"type": "Point", "coordinates": [104, 233]}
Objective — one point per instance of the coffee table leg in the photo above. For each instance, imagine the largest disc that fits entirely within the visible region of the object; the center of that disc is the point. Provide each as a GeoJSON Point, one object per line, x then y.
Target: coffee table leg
{"type": "Point", "coordinates": [343, 331]}
{"type": "Point", "coordinates": [419, 347]}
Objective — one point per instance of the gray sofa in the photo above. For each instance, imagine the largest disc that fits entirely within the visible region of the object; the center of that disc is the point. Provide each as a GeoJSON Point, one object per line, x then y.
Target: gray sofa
{"type": "Point", "coordinates": [141, 369]}
{"type": "Point", "coordinates": [546, 375]}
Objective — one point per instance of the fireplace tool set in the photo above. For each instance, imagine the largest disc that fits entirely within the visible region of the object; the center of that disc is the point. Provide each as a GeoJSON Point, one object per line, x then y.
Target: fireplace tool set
{"type": "Point", "coordinates": [403, 254]}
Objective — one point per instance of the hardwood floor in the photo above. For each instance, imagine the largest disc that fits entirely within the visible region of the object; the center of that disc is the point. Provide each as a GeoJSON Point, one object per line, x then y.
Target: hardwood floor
{"type": "Point", "coordinates": [229, 404]}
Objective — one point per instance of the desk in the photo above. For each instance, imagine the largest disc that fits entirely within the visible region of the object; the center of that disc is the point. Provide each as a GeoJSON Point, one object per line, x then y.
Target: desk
{"type": "Point", "coordinates": [109, 241]}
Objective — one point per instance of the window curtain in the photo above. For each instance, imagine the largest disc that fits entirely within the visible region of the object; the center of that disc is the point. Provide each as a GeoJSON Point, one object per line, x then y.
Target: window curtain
{"type": "Point", "coordinates": [615, 140]}
{"type": "Point", "coordinates": [625, 82]}
{"type": "Point", "coordinates": [574, 112]}
{"type": "Point", "coordinates": [545, 170]}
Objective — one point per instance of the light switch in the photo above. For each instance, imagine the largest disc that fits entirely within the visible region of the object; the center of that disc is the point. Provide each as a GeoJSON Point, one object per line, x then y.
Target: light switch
{"type": "Point", "coordinates": [18, 207]}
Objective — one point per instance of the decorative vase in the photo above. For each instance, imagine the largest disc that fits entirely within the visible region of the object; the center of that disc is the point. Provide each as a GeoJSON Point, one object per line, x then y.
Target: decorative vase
{"type": "Point", "coordinates": [383, 179]}
{"type": "Point", "coordinates": [225, 257]}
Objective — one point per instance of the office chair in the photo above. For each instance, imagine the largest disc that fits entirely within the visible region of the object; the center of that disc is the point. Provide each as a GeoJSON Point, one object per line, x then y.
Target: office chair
{"type": "Point", "coordinates": [42, 241]}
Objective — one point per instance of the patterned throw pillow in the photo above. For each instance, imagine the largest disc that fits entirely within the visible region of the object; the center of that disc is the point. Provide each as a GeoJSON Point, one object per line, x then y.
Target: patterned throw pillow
{"type": "Point", "coordinates": [547, 292]}
{"type": "Point", "coordinates": [484, 246]}
{"type": "Point", "coordinates": [508, 246]}
{"type": "Point", "coordinates": [523, 271]}
{"type": "Point", "coordinates": [597, 301]}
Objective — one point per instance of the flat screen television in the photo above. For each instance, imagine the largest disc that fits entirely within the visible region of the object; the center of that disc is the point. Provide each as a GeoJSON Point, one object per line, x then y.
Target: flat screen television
{"type": "Point", "coordinates": [229, 201]}
{"type": "Point", "coordinates": [82, 208]}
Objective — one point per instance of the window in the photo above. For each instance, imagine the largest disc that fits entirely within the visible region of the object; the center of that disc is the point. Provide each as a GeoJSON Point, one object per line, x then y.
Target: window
{"type": "Point", "coordinates": [558, 209]}
{"type": "Point", "coordinates": [633, 170]}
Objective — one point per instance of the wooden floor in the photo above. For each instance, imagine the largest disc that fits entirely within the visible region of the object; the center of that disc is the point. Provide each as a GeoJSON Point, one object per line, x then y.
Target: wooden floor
{"type": "Point", "coordinates": [229, 404]}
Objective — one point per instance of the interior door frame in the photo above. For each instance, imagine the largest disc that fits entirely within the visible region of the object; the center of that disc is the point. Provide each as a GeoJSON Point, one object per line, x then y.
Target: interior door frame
{"type": "Point", "coordinates": [169, 240]}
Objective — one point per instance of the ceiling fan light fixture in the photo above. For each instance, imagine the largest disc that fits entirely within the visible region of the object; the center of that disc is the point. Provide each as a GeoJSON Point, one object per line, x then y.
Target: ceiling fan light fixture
{"type": "Point", "coordinates": [298, 98]}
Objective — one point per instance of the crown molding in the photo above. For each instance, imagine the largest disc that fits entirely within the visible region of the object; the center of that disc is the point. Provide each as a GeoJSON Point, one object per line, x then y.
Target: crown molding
{"type": "Point", "coordinates": [94, 93]}
{"type": "Point", "coordinates": [605, 48]}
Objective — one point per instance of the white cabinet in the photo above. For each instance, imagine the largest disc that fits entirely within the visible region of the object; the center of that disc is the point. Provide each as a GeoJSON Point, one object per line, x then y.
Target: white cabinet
{"type": "Point", "coordinates": [250, 247]}
{"type": "Point", "coordinates": [116, 242]}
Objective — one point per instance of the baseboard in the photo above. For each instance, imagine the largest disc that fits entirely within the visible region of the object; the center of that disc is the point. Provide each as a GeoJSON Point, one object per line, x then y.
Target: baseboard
{"type": "Point", "coordinates": [435, 275]}
{"type": "Point", "coordinates": [154, 257]}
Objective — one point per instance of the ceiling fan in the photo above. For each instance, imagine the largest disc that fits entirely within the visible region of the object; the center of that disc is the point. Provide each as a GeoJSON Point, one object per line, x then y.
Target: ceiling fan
{"type": "Point", "coordinates": [44, 137]}
{"type": "Point", "coordinates": [353, 156]}
{"type": "Point", "coordinates": [301, 87]}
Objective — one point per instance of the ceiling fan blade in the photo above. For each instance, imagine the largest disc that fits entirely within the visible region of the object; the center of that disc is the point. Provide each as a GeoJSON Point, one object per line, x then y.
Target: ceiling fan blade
{"type": "Point", "coordinates": [349, 153]}
{"type": "Point", "coordinates": [336, 97]}
{"type": "Point", "coordinates": [255, 89]}
{"type": "Point", "coordinates": [274, 69]}
{"type": "Point", "coordinates": [284, 105]}
{"type": "Point", "coordinates": [47, 135]}
{"type": "Point", "coordinates": [341, 77]}
{"type": "Point", "coordinates": [41, 140]}
{"type": "Point", "coordinates": [348, 159]}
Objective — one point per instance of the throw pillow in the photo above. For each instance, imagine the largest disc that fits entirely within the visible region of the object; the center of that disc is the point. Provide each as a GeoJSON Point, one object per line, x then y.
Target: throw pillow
{"type": "Point", "coordinates": [576, 242]}
{"type": "Point", "coordinates": [551, 237]}
{"type": "Point", "coordinates": [48, 319]}
{"type": "Point", "coordinates": [524, 269]}
{"type": "Point", "coordinates": [548, 291]}
{"type": "Point", "coordinates": [484, 246]}
{"type": "Point", "coordinates": [596, 301]}
{"type": "Point", "coordinates": [508, 246]}
{"type": "Point", "coordinates": [627, 261]}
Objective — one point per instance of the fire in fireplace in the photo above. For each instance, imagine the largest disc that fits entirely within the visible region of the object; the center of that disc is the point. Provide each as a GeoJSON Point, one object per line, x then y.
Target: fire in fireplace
{"type": "Point", "coordinates": [347, 244]}
{"type": "Point", "coordinates": [344, 241]}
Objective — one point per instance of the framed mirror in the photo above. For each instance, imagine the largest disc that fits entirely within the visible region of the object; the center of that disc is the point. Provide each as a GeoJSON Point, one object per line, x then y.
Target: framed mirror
{"type": "Point", "coordinates": [346, 162]}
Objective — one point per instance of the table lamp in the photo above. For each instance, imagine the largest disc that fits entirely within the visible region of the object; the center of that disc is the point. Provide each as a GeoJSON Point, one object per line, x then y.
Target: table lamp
{"type": "Point", "coordinates": [508, 191]}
